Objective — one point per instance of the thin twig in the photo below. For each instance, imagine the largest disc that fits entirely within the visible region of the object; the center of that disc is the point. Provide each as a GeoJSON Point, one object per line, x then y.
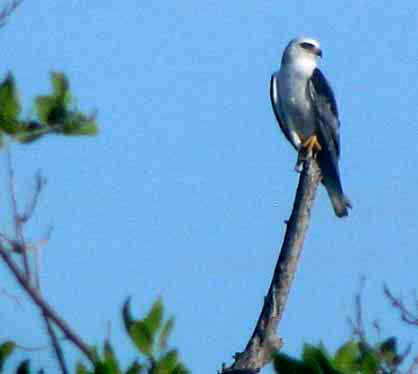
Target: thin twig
{"type": "Point", "coordinates": [415, 299]}
{"type": "Point", "coordinates": [7, 239]}
{"type": "Point", "coordinates": [8, 10]}
{"type": "Point", "coordinates": [44, 306]}
{"type": "Point", "coordinates": [55, 344]}
{"type": "Point", "coordinates": [407, 316]}
{"type": "Point", "coordinates": [40, 183]}
{"type": "Point", "coordinates": [357, 326]}
{"type": "Point", "coordinates": [11, 296]}
{"type": "Point", "coordinates": [264, 340]}
{"type": "Point", "coordinates": [36, 349]}
{"type": "Point", "coordinates": [16, 216]}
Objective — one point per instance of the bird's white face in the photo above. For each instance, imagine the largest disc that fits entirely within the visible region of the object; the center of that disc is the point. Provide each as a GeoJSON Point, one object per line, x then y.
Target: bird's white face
{"type": "Point", "coordinates": [307, 47]}
{"type": "Point", "coordinates": [302, 54]}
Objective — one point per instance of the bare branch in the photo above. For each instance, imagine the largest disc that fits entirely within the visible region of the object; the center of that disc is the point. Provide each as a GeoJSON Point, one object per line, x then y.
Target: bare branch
{"type": "Point", "coordinates": [55, 344]}
{"type": "Point", "coordinates": [14, 246]}
{"type": "Point", "coordinates": [44, 306]}
{"type": "Point", "coordinates": [8, 10]}
{"type": "Point", "coordinates": [35, 349]}
{"type": "Point", "coordinates": [11, 296]}
{"type": "Point", "coordinates": [357, 325]}
{"type": "Point", "coordinates": [18, 245]}
{"type": "Point", "coordinates": [40, 183]}
{"type": "Point", "coordinates": [411, 318]}
{"type": "Point", "coordinates": [264, 341]}
{"type": "Point", "coordinates": [20, 241]}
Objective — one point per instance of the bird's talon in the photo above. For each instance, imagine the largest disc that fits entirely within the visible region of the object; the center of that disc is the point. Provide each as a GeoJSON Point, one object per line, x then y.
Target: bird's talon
{"type": "Point", "coordinates": [312, 145]}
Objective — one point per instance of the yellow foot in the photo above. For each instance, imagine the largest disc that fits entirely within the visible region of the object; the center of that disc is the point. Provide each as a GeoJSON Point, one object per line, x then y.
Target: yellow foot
{"type": "Point", "coordinates": [309, 148]}
{"type": "Point", "coordinates": [312, 144]}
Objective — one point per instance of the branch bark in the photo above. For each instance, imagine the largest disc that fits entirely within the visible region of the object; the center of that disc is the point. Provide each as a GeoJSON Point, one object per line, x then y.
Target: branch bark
{"type": "Point", "coordinates": [264, 340]}
{"type": "Point", "coordinates": [46, 309]}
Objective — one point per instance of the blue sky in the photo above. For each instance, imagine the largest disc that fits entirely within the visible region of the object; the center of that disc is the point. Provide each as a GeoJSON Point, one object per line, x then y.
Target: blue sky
{"type": "Point", "coordinates": [184, 192]}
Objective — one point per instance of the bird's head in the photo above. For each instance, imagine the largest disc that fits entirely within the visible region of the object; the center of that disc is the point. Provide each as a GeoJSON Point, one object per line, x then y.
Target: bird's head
{"type": "Point", "coordinates": [303, 52]}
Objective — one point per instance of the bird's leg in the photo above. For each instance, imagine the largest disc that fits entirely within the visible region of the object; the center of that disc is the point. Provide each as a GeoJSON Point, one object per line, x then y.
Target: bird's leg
{"type": "Point", "coordinates": [312, 145]}
{"type": "Point", "coordinates": [308, 150]}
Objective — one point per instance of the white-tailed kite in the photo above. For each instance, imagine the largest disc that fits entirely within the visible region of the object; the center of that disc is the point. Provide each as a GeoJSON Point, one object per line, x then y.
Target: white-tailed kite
{"type": "Point", "coordinates": [305, 107]}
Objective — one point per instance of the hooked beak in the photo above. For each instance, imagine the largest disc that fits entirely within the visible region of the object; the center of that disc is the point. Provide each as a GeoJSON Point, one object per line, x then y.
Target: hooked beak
{"type": "Point", "coordinates": [318, 52]}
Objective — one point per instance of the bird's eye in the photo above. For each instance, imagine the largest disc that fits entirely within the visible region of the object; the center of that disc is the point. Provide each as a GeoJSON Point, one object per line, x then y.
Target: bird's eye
{"type": "Point", "coordinates": [307, 46]}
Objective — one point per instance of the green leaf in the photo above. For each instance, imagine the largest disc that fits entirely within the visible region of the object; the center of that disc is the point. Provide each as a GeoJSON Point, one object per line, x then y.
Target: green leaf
{"type": "Point", "coordinates": [347, 356]}
{"type": "Point", "coordinates": [9, 125]}
{"type": "Point", "coordinates": [58, 114]}
{"type": "Point", "coordinates": [141, 337]}
{"type": "Point", "coordinates": [81, 369]}
{"type": "Point", "coordinates": [168, 362]}
{"type": "Point", "coordinates": [134, 368]}
{"type": "Point", "coordinates": [285, 364]}
{"type": "Point", "coordinates": [6, 349]}
{"type": "Point", "coordinates": [314, 356]}
{"type": "Point", "coordinates": [138, 330]}
{"type": "Point", "coordinates": [369, 363]}
{"type": "Point", "coordinates": [44, 106]}
{"type": "Point", "coordinates": [389, 351]}
{"type": "Point", "coordinates": [154, 318]}
{"type": "Point", "coordinates": [110, 358]}
{"type": "Point", "coordinates": [9, 101]}
{"type": "Point", "coordinates": [325, 352]}
{"type": "Point", "coordinates": [95, 354]}
{"type": "Point", "coordinates": [127, 315]}
{"type": "Point", "coordinates": [23, 368]}
{"type": "Point", "coordinates": [27, 137]}
{"type": "Point", "coordinates": [79, 124]}
{"type": "Point", "coordinates": [101, 367]}
{"type": "Point", "coordinates": [389, 345]}
{"type": "Point", "coordinates": [165, 332]}
{"type": "Point", "coordinates": [61, 87]}
{"type": "Point", "coordinates": [180, 369]}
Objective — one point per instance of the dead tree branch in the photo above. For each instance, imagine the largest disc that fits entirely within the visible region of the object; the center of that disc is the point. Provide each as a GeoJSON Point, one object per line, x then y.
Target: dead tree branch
{"type": "Point", "coordinates": [44, 306]}
{"type": "Point", "coordinates": [8, 10]}
{"type": "Point", "coordinates": [264, 339]}
{"type": "Point", "coordinates": [407, 316]}
{"type": "Point", "coordinates": [55, 344]}
{"type": "Point", "coordinates": [357, 324]}
{"type": "Point", "coordinates": [19, 241]}
{"type": "Point", "coordinates": [18, 247]}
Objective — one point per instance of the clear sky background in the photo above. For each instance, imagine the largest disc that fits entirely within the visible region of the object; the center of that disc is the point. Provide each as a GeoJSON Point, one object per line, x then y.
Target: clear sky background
{"type": "Point", "coordinates": [184, 192]}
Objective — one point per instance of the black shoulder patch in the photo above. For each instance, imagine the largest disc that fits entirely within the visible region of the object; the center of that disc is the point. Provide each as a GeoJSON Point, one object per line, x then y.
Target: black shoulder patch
{"type": "Point", "coordinates": [324, 90]}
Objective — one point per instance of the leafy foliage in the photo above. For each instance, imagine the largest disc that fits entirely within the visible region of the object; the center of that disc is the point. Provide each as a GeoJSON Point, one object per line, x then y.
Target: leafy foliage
{"type": "Point", "coordinates": [6, 349]}
{"type": "Point", "coordinates": [55, 113]}
{"type": "Point", "coordinates": [352, 357]}
{"type": "Point", "coordinates": [149, 335]}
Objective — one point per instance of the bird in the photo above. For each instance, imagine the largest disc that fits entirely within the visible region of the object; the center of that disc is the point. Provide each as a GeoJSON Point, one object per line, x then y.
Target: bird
{"type": "Point", "coordinates": [306, 109]}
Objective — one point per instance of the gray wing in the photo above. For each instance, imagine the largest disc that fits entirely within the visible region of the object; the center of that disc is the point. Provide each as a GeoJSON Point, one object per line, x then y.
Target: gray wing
{"type": "Point", "coordinates": [275, 103]}
{"type": "Point", "coordinates": [326, 113]}
{"type": "Point", "coordinates": [328, 131]}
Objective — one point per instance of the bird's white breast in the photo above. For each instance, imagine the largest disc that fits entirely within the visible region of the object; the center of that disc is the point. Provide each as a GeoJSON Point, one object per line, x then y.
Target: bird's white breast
{"type": "Point", "coordinates": [292, 90]}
